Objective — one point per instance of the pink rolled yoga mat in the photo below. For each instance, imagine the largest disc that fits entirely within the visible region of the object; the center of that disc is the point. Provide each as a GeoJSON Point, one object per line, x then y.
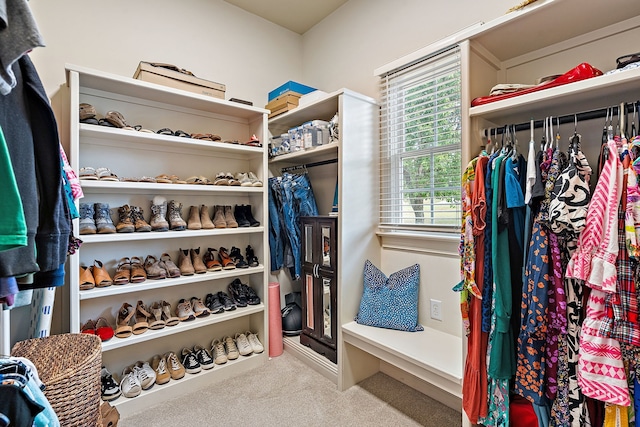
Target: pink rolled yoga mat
{"type": "Point", "coordinates": [275, 321]}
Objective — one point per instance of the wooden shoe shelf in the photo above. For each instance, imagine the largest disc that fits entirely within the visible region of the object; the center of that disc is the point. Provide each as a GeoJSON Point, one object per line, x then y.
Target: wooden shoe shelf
{"type": "Point", "coordinates": [130, 153]}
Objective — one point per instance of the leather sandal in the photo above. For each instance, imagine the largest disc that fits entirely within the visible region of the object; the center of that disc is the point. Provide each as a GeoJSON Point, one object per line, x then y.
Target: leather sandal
{"type": "Point", "coordinates": [138, 274]}
{"type": "Point", "coordinates": [100, 275]}
{"type": "Point", "coordinates": [225, 259]}
{"type": "Point", "coordinates": [154, 269]}
{"type": "Point", "coordinates": [170, 267]}
{"type": "Point", "coordinates": [140, 319]}
{"type": "Point", "coordinates": [156, 321]}
{"type": "Point", "coordinates": [103, 329]}
{"type": "Point", "coordinates": [123, 272]}
{"type": "Point", "coordinates": [167, 314]}
{"type": "Point", "coordinates": [86, 279]}
{"type": "Point", "coordinates": [210, 260]}
{"type": "Point", "coordinates": [123, 328]}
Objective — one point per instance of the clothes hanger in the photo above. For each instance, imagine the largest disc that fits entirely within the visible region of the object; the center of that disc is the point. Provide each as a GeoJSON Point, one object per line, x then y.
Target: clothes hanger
{"type": "Point", "coordinates": [543, 143]}
{"type": "Point", "coordinates": [558, 133]}
{"type": "Point", "coordinates": [575, 138]}
{"type": "Point", "coordinates": [514, 154]}
{"type": "Point", "coordinates": [633, 122]}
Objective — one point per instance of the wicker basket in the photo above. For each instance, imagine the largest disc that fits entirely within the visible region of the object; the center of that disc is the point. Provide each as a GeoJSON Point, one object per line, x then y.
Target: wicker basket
{"type": "Point", "coordinates": [69, 365]}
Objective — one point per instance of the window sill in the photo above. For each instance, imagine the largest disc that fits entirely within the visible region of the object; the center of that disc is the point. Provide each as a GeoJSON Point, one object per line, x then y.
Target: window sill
{"type": "Point", "coordinates": [439, 244]}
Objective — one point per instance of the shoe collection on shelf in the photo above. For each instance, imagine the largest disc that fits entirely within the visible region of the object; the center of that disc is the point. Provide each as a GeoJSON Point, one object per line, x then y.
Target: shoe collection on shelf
{"type": "Point", "coordinates": [96, 218]}
{"type": "Point", "coordinates": [190, 262]}
{"type": "Point", "coordinates": [165, 261]}
{"type": "Point", "coordinates": [161, 369]}
{"type": "Point", "coordinates": [239, 179]}
{"type": "Point", "coordinates": [114, 119]}
{"type": "Point", "coordinates": [131, 320]}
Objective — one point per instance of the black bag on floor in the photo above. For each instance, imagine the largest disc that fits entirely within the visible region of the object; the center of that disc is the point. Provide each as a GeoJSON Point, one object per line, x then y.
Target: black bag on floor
{"type": "Point", "coordinates": [292, 315]}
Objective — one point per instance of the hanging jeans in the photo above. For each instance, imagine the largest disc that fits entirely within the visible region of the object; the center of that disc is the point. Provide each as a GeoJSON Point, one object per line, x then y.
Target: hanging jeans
{"type": "Point", "coordinates": [296, 199]}
{"type": "Point", "coordinates": [276, 223]}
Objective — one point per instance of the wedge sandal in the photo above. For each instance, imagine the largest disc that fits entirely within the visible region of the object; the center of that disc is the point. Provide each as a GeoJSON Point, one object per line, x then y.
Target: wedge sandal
{"type": "Point", "coordinates": [123, 327]}
{"type": "Point", "coordinates": [140, 319]}
{"type": "Point", "coordinates": [138, 274]}
{"type": "Point", "coordinates": [86, 279]}
{"type": "Point", "coordinates": [167, 314]}
{"type": "Point", "coordinates": [156, 321]}
{"type": "Point", "coordinates": [100, 275]}
{"type": "Point", "coordinates": [123, 272]}
{"type": "Point", "coordinates": [154, 269]}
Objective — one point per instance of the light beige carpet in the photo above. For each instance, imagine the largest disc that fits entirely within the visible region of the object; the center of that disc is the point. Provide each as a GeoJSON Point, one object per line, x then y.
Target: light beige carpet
{"type": "Point", "coordinates": [285, 392]}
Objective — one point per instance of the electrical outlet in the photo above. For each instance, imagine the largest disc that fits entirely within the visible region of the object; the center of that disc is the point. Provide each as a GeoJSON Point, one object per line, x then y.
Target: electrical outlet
{"type": "Point", "coordinates": [436, 309]}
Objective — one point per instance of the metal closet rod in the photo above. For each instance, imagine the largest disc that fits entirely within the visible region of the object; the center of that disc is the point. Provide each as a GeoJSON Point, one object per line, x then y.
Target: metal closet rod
{"type": "Point", "coordinates": [569, 118]}
{"type": "Point", "coordinates": [309, 165]}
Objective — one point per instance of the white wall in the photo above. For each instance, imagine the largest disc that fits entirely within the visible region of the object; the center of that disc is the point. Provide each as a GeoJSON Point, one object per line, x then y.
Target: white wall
{"type": "Point", "coordinates": [345, 48]}
{"type": "Point", "coordinates": [211, 38]}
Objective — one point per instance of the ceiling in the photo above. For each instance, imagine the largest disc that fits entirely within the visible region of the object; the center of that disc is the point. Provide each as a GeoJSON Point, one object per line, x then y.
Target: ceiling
{"type": "Point", "coordinates": [295, 15]}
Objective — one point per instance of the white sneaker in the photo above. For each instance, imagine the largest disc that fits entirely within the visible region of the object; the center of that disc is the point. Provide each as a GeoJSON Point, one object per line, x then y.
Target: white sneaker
{"type": "Point", "coordinates": [231, 348]}
{"type": "Point", "coordinates": [255, 182]}
{"type": "Point", "coordinates": [146, 374]}
{"type": "Point", "coordinates": [254, 342]}
{"type": "Point", "coordinates": [244, 179]}
{"type": "Point", "coordinates": [219, 355]}
{"type": "Point", "coordinates": [244, 348]}
{"type": "Point", "coordinates": [130, 384]}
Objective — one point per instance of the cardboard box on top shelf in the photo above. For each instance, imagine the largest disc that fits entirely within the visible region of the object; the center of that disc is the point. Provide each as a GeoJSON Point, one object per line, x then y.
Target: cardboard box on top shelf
{"type": "Point", "coordinates": [283, 103]}
{"type": "Point", "coordinates": [177, 78]}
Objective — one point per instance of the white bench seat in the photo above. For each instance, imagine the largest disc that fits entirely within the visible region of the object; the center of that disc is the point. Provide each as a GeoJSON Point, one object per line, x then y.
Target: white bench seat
{"type": "Point", "coordinates": [431, 355]}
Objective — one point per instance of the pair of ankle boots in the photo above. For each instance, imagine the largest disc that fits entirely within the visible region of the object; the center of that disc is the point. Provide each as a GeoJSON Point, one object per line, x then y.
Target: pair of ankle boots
{"type": "Point", "coordinates": [96, 218]}
{"type": "Point", "coordinates": [166, 216]}
{"type": "Point", "coordinates": [240, 216]}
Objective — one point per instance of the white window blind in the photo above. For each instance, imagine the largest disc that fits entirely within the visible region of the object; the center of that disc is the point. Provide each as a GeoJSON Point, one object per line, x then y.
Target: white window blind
{"type": "Point", "coordinates": [420, 144]}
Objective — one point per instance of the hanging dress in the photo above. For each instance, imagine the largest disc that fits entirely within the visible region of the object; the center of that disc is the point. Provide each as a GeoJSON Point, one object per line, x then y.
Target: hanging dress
{"type": "Point", "coordinates": [601, 371]}
{"type": "Point", "coordinates": [474, 385]}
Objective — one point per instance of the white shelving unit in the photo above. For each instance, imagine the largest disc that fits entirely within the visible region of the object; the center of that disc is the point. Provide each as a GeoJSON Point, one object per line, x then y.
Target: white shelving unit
{"type": "Point", "coordinates": [131, 153]}
{"type": "Point", "coordinates": [356, 170]}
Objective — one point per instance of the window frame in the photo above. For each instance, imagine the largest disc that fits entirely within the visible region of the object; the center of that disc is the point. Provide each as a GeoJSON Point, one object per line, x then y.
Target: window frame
{"type": "Point", "coordinates": [393, 126]}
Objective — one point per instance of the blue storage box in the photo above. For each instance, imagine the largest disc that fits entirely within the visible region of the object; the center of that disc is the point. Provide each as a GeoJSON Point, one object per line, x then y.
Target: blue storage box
{"type": "Point", "coordinates": [290, 86]}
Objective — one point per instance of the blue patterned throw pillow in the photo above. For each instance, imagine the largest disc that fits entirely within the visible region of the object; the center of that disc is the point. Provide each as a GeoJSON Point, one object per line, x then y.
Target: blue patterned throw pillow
{"type": "Point", "coordinates": [390, 302]}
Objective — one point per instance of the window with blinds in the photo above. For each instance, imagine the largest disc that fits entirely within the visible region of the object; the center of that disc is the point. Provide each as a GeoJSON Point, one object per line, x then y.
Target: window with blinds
{"type": "Point", "coordinates": [421, 144]}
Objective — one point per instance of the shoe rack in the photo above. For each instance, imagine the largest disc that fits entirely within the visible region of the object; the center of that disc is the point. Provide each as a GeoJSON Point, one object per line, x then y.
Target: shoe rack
{"type": "Point", "coordinates": [133, 153]}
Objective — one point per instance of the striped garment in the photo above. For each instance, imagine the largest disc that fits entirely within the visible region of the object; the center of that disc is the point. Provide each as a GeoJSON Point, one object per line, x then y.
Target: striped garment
{"type": "Point", "coordinates": [595, 259]}
{"type": "Point", "coordinates": [601, 373]}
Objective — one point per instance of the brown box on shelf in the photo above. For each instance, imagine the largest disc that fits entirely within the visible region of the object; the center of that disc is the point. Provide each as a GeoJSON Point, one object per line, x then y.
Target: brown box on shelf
{"type": "Point", "coordinates": [160, 74]}
{"type": "Point", "coordinates": [283, 103]}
